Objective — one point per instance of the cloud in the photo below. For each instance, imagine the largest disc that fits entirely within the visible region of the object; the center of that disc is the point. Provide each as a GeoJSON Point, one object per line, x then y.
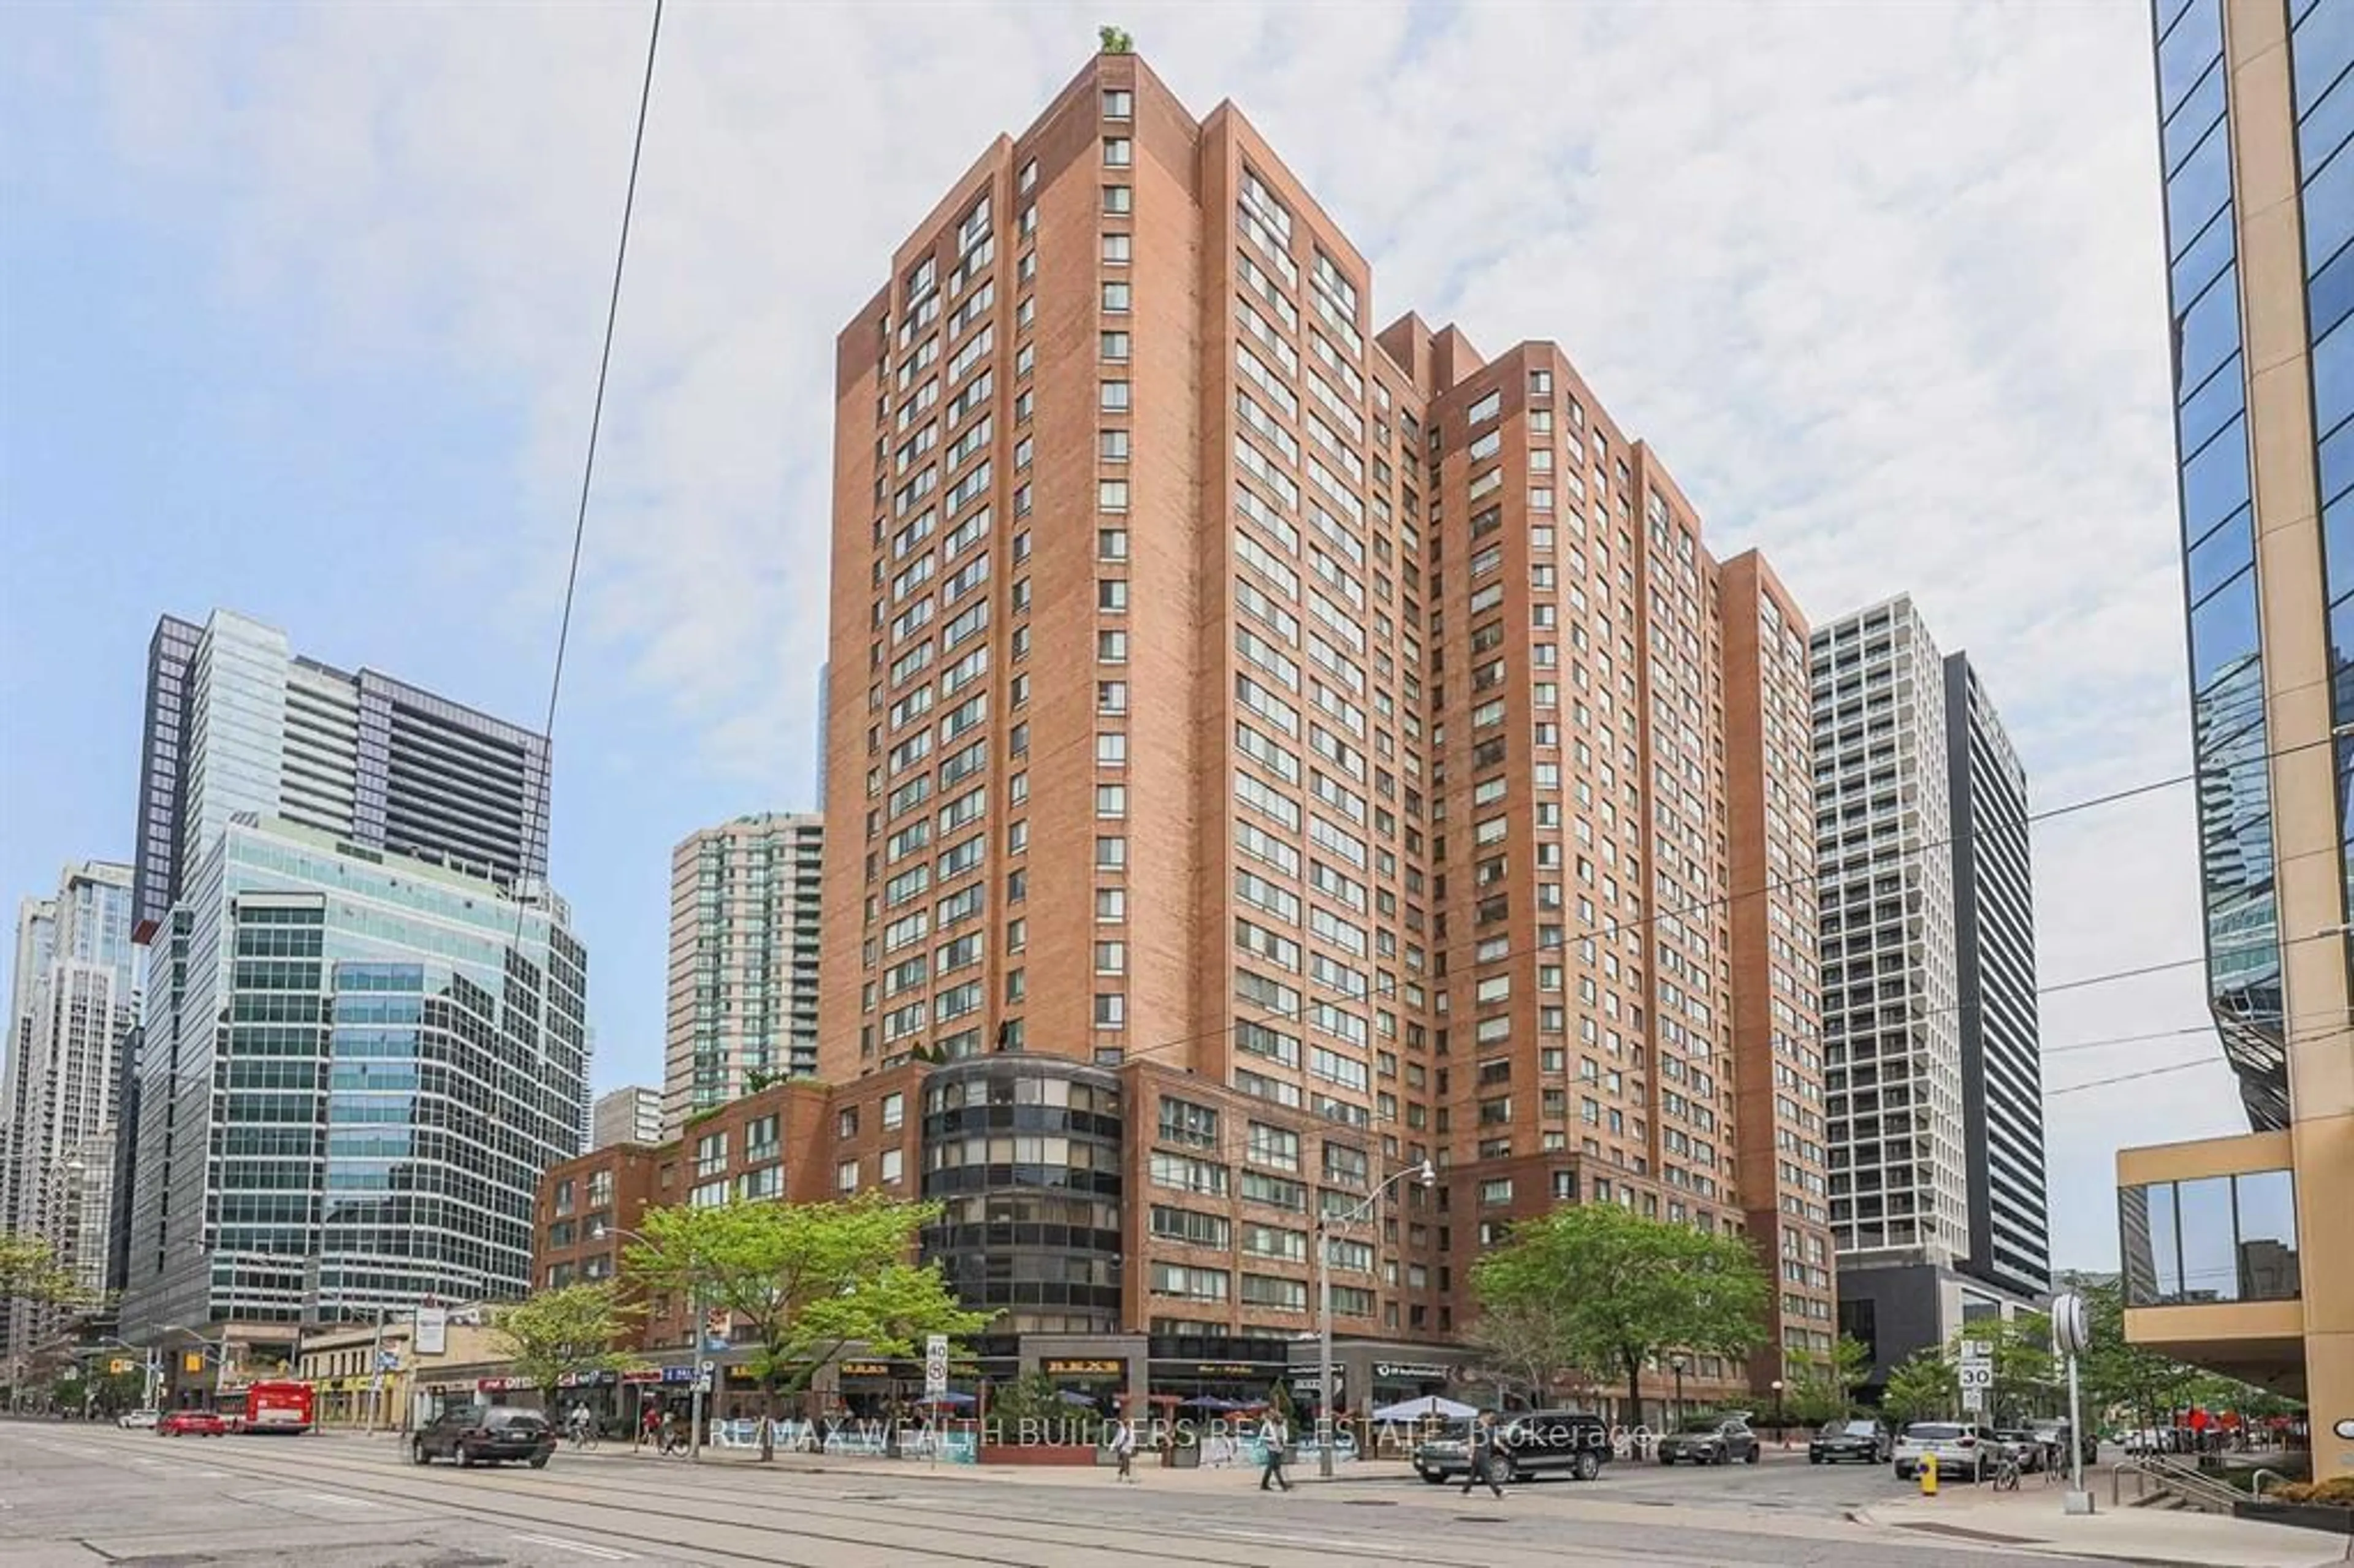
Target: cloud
{"type": "Point", "coordinates": [1880, 284]}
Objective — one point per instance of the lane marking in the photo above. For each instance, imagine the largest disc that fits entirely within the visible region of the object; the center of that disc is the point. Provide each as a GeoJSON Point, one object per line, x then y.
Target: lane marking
{"type": "Point", "coordinates": [337, 1499]}
{"type": "Point", "coordinates": [606, 1553]}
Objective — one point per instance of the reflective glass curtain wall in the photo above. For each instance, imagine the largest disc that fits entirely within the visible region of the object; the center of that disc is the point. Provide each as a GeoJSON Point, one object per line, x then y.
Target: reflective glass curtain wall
{"type": "Point", "coordinates": [2321, 57]}
{"type": "Point", "coordinates": [2229, 731]}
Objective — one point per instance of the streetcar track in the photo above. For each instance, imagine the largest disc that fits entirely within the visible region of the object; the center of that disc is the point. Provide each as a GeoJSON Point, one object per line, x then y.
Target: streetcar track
{"type": "Point", "coordinates": [771, 1507]}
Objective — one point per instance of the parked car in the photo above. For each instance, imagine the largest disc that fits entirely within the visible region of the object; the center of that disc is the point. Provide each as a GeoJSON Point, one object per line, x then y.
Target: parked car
{"type": "Point", "coordinates": [1961, 1451]}
{"type": "Point", "coordinates": [2026, 1444]}
{"type": "Point", "coordinates": [1539, 1442]}
{"type": "Point", "coordinates": [1866, 1440]}
{"type": "Point", "coordinates": [139, 1420]}
{"type": "Point", "coordinates": [1713, 1440]}
{"type": "Point", "coordinates": [191, 1424]}
{"type": "Point", "coordinates": [1535, 1443]}
{"type": "Point", "coordinates": [484, 1435]}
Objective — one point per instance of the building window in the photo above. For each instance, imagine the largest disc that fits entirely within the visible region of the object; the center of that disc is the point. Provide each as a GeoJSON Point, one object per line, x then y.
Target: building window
{"type": "Point", "coordinates": [845, 1121]}
{"type": "Point", "coordinates": [1113, 345]}
{"type": "Point", "coordinates": [1111, 647]}
{"type": "Point", "coordinates": [564, 1201]}
{"type": "Point", "coordinates": [895, 1106]}
{"type": "Point", "coordinates": [2222, 1238]}
{"type": "Point", "coordinates": [1115, 298]}
{"type": "Point", "coordinates": [1118, 151]}
{"type": "Point", "coordinates": [601, 1189]}
{"type": "Point", "coordinates": [1111, 1009]}
{"type": "Point", "coordinates": [1111, 853]}
{"type": "Point", "coordinates": [1115, 250]}
{"type": "Point", "coordinates": [1111, 751]}
{"type": "Point", "coordinates": [846, 1176]}
{"type": "Point", "coordinates": [893, 1163]}
{"type": "Point", "coordinates": [1119, 104]}
{"type": "Point", "coordinates": [1118, 200]}
{"type": "Point", "coordinates": [1111, 495]}
{"type": "Point", "coordinates": [1111, 595]}
{"type": "Point", "coordinates": [1111, 543]}
{"type": "Point", "coordinates": [1112, 446]}
{"type": "Point", "coordinates": [1112, 396]}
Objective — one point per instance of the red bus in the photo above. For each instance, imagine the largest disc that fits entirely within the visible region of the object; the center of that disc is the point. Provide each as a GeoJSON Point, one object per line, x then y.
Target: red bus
{"type": "Point", "coordinates": [268, 1407]}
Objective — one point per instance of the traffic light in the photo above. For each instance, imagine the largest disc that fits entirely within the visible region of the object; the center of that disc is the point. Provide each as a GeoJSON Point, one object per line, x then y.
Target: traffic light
{"type": "Point", "coordinates": [193, 1362]}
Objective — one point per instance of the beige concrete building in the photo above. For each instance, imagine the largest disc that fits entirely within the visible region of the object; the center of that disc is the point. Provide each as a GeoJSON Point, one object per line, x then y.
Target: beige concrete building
{"type": "Point", "coordinates": [1300, 747]}
{"type": "Point", "coordinates": [2227, 1253]}
{"type": "Point", "coordinates": [743, 900]}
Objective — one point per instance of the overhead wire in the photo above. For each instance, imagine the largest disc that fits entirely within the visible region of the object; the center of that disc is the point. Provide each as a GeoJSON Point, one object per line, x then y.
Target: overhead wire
{"type": "Point", "coordinates": [596, 416]}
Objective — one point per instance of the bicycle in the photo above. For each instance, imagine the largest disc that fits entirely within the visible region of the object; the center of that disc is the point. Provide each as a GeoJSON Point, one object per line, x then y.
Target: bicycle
{"type": "Point", "coordinates": [585, 1439]}
{"type": "Point", "coordinates": [2005, 1472]}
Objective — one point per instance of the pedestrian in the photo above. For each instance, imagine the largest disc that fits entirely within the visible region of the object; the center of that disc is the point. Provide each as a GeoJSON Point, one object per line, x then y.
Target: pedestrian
{"type": "Point", "coordinates": [1273, 1437]}
{"type": "Point", "coordinates": [649, 1426]}
{"type": "Point", "coordinates": [1483, 1455]}
{"type": "Point", "coordinates": [1123, 1449]}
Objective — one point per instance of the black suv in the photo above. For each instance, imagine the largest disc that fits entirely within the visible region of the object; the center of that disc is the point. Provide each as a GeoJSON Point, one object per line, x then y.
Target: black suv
{"type": "Point", "coordinates": [484, 1435]}
{"type": "Point", "coordinates": [1866, 1440]}
{"type": "Point", "coordinates": [1528, 1445]}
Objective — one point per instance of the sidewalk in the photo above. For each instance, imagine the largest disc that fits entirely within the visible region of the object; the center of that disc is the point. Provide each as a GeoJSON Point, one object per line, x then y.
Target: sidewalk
{"type": "Point", "coordinates": [2032, 1520]}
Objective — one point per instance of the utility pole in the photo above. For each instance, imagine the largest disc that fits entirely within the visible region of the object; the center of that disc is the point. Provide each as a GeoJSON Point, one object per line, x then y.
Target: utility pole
{"type": "Point", "coordinates": [376, 1372]}
{"type": "Point", "coordinates": [1428, 1177]}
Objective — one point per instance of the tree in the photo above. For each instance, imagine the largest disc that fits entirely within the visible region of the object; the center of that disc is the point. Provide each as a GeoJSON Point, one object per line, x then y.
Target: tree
{"type": "Point", "coordinates": [1821, 1387]}
{"type": "Point", "coordinates": [29, 1271]}
{"type": "Point", "coordinates": [1923, 1386]}
{"type": "Point", "coordinates": [1620, 1291]}
{"type": "Point", "coordinates": [2027, 1381]}
{"type": "Point", "coordinates": [1519, 1349]}
{"type": "Point", "coordinates": [568, 1331]}
{"type": "Point", "coordinates": [1115, 40]}
{"type": "Point", "coordinates": [804, 1280]}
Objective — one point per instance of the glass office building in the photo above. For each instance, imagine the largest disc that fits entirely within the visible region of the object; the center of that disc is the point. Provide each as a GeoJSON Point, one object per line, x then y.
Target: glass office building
{"type": "Point", "coordinates": [356, 1068]}
{"type": "Point", "coordinates": [2255, 106]}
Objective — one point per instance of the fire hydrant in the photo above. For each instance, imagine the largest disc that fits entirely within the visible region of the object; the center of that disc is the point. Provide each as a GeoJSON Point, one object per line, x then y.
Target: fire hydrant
{"type": "Point", "coordinates": [1928, 1475]}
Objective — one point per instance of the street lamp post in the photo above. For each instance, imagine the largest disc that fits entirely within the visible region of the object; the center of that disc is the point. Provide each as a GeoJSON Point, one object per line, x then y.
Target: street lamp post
{"type": "Point", "coordinates": [1677, 1361]}
{"type": "Point", "coordinates": [693, 1344]}
{"type": "Point", "coordinates": [1428, 1177]}
{"type": "Point", "coordinates": [1779, 1425]}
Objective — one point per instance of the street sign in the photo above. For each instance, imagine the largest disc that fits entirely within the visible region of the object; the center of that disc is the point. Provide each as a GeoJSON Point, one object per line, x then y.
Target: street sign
{"type": "Point", "coordinates": [936, 1365]}
{"type": "Point", "coordinates": [1976, 1375]}
{"type": "Point", "coordinates": [432, 1331]}
{"type": "Point", "coordinates": [388, 1360]}
{"type": "Point", "coordinates": [1973, 1400]}
{"type": "Point", "coordinates": [1976, 1350]}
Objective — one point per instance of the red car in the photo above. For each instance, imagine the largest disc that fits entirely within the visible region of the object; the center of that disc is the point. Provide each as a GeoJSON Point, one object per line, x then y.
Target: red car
{"type": "Point", "coordinates": [191, 1424]}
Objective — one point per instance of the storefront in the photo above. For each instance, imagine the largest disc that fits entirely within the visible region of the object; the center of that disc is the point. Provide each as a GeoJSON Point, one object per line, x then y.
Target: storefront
{"type": "Point", "coordinates": [1372, 1374]}
{"type": "Point", "coordinates": [1102, 1381]}
{"type": "Point", "coordinates": [1193, 1388]}
{"type": "Point", "coordinates": [1394, 1382]}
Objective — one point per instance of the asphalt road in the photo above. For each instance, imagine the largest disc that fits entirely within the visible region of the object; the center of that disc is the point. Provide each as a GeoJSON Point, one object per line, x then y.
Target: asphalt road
{"type": "Point", "coordinates": [73, 1495]}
